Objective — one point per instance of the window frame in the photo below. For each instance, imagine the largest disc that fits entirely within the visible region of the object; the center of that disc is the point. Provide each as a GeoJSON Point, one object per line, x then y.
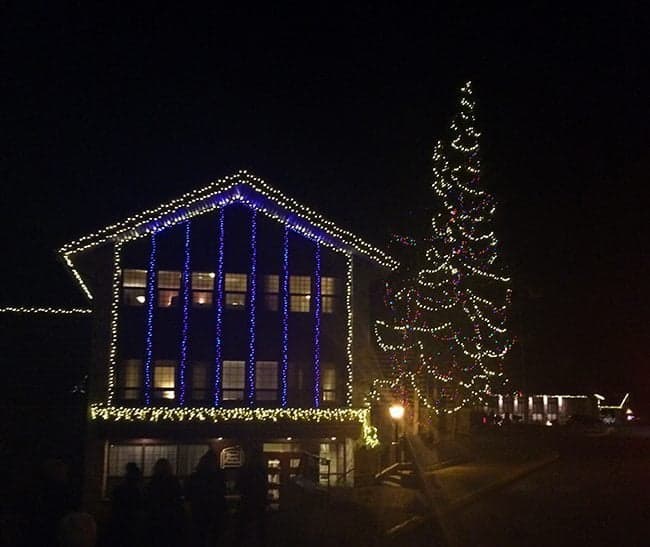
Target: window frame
{"type": "Point", "coordinates": [157, 392]}
{"type": "Point", "coordinates": [271, 292]}
{"type": "Point", "coordinates": [134, 289]}
{"type": "Point", "coordinates": [170, 288]}
{"type": "Point", "coordinates": [329, 368]}
{"type": "Point", "coordinates": [202, 285]}
{"type": "Point", "coordinates": [298, 293]}
{"type": "Point", "coordinates": [259, 365]}
{"type": "Point", "coordinates": [125, 387]}
{"type": "Point", "coordinates": [234, 292]}
{"type": "Point", "coordinates": [227, 389]}
{"type": "Point", "coordinates": [329, 294]}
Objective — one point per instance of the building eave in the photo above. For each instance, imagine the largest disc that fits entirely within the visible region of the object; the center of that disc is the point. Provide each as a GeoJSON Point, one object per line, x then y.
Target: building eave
{"type": "Point", "coordinates": [241, 187]}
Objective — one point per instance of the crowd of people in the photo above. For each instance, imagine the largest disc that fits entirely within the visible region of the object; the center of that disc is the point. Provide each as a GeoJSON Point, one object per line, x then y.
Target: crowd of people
{"type": "Point", "coordinates": [158, 512]}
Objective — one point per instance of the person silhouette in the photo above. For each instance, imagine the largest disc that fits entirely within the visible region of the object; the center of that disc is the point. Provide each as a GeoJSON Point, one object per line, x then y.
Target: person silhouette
{"type": "Point", "coordinates": [52, 500]}
{"type": "Point", "coordinates": [206, 494]}
{"type": "Point", "coordinates": [124, 527]}
{"type": "Point", "coordinates": [253, 489]}
{"type": "Point", "coordinates": [165, 515]}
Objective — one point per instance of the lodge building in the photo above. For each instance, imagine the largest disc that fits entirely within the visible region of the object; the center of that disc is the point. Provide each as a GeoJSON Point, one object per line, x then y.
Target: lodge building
{"type": "Point", "coordinates": [541, 409]}
{"type": "Point", "coordinates": [230, 314]}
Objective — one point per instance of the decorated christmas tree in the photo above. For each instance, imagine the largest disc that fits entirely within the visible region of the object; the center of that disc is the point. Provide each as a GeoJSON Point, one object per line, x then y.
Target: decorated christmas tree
{"type": "Point", "coordinates": [447, 335]}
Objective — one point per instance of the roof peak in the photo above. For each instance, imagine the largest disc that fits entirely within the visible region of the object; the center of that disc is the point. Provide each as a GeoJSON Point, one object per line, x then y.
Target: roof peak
{"type": "Point", "coordinates": [243, 187]}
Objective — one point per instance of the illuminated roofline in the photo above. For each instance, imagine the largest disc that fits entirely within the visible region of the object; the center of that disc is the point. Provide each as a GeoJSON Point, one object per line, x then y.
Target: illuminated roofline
{"type": "Point", "coordinates": [241, 187]}
{"type": "Point", "coordinates": [541, 395]}
{"type": "Point", "coordinates": [615, 407]}
{"type": "Point", "coordinates": [361, 416]}
{"type": "Point", "coordinates": [45, 311]}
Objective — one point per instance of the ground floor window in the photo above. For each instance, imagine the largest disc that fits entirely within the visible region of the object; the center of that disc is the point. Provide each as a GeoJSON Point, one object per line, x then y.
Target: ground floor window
{"type": "Point", "coordinates": [327, 462]}
{"type": "Point", "coordinates": [183, 459]}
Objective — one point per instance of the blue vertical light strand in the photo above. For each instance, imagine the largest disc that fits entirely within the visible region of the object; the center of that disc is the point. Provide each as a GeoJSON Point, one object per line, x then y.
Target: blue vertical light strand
{"type": "Point", "coordinates": [151, 306]}
{"type": "Point", "coordinates": [317, 306]}
{"type": "Point", "coordinates": [218, 294]}
{"type": "Point", "coordinates": [185, 329]}
{"type": "Point", "coordinates": [284, 292]}
{"type": "Point", "coordinates": [250, 391]}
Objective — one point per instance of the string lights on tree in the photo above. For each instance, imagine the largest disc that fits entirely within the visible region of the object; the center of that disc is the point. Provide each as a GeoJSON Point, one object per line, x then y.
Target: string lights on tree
{"type": "Point", "coordinates": [448, 336]}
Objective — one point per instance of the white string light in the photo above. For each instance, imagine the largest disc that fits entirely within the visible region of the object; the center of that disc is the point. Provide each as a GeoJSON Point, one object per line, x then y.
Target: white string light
{"type": "Point", "coordinates": [47, 311]}
{"type": "Point", "coordinates": [211, 414]}
{"type": "Point", "coordinates": [464, 350]}
{"type": "Point", "coordinates": [218, 194]}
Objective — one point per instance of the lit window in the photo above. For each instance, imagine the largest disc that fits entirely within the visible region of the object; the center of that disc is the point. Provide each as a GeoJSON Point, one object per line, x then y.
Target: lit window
{"type": "Point", "coordinates": [120, 455]}
{"type": "Point", "coordinates": [134, 284]}
{"type": "Point", "coordinates": [202, 281]}
{"type": "Point", "coordinates": [266, 380]}
{"type": "Point", "coordinates": [201, 299]}
{"type": "Point", "coordinates": [328, 291]}
{"type": "Point", "coordinates": [153, 453]}
{"type": "Point", "coordinates": [236, 286]}
{"type": "Point", "coordinates": [169, 284]}
{"type": "Point", "coordinates": [164, 379]}
{"type": "Point", "coordinates": [169, 280]}
{"type": "Point", "coordinates": [271, 290]}
{"type": "Point", "coordinates": [199, 381]}
{"type": "Point", "coordinates": [202, 284]}
{"type": "Point", "coordinates": [328, 286]}
{"type": "Point", "coordinates": [300, 292]}
{"type": "Point", "coordinates": [131, 378]}
{"type": "Point", "coordinates": [233, 380]}
{"type": "Point", "coordinates": [328, 379]}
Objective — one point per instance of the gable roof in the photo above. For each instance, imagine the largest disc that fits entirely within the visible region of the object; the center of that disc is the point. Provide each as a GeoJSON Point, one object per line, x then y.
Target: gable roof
{"type": "Point", "coordinates": [241, 187]}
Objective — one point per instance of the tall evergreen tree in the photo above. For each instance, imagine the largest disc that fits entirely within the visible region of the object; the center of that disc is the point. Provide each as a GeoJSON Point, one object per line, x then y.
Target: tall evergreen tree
{"type": "Point", "coordinates": [448, 336]}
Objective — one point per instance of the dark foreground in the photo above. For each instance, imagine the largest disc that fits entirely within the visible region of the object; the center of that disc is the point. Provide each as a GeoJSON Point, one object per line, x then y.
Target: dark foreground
{"type": "Point", "coordinates": [597, 493]}
{"type": "Point", "coordinates": [544, 488]}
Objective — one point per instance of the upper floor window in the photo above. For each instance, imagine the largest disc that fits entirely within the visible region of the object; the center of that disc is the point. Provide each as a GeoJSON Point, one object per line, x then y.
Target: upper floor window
{"type": "Point", "coordinates": [328, 383]}
{"type": "Point", "coordinates": [328, 291]}
{"type": "Point", "coordinates": [200, 380]}
{"type": "Point", "coordinates": [234, 375]}
{"type": "Point", "coordinates": [164, 379]}
{"type": "Point", "coordinates": [134, 287]}
{"type": "Point", "coordinates": [236, 285]}
{"type": "Point", "coordinates": [131, 378]}
{"type": "Point", "coordinates": [300, 293]}
{"type": "Point", "coordinates": [202, 284]}
{"type": "Point", "coordinates": [169, 284]}
{"type": "Point", "coordinates": [271, 292]}
{"type": "Point", "coordinates": [266, 380]}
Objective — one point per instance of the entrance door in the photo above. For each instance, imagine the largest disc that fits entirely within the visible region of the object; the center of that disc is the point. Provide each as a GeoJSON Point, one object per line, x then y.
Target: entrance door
{"type": "Point", "coordinates": [281, 468]}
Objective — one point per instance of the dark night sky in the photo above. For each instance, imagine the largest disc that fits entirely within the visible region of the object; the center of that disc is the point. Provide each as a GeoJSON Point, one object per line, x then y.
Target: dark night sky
{"type": "Point", "coordinates": [107, 112]}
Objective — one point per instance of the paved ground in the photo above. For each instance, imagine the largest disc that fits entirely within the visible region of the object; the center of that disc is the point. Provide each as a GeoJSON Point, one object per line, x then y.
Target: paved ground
{"type": "Point", "coordinates": [595, 492]}
{"type": "Point", "coordinates": [591, 491]}
{"type": "Point", "coordinates": [598, 493]}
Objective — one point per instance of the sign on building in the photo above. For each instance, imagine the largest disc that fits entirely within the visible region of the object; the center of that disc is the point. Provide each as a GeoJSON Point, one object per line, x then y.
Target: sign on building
{"type": "Point", "coordinates": [231, 457]}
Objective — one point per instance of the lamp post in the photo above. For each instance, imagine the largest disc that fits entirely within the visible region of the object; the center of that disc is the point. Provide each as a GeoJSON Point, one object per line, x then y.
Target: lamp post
{"type": "Point", "coordinates": [396, 412]}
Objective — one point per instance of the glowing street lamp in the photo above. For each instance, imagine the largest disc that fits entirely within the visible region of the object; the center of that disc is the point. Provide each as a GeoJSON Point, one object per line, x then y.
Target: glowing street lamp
{"type": "Point", "coordinates": [396, 411]}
